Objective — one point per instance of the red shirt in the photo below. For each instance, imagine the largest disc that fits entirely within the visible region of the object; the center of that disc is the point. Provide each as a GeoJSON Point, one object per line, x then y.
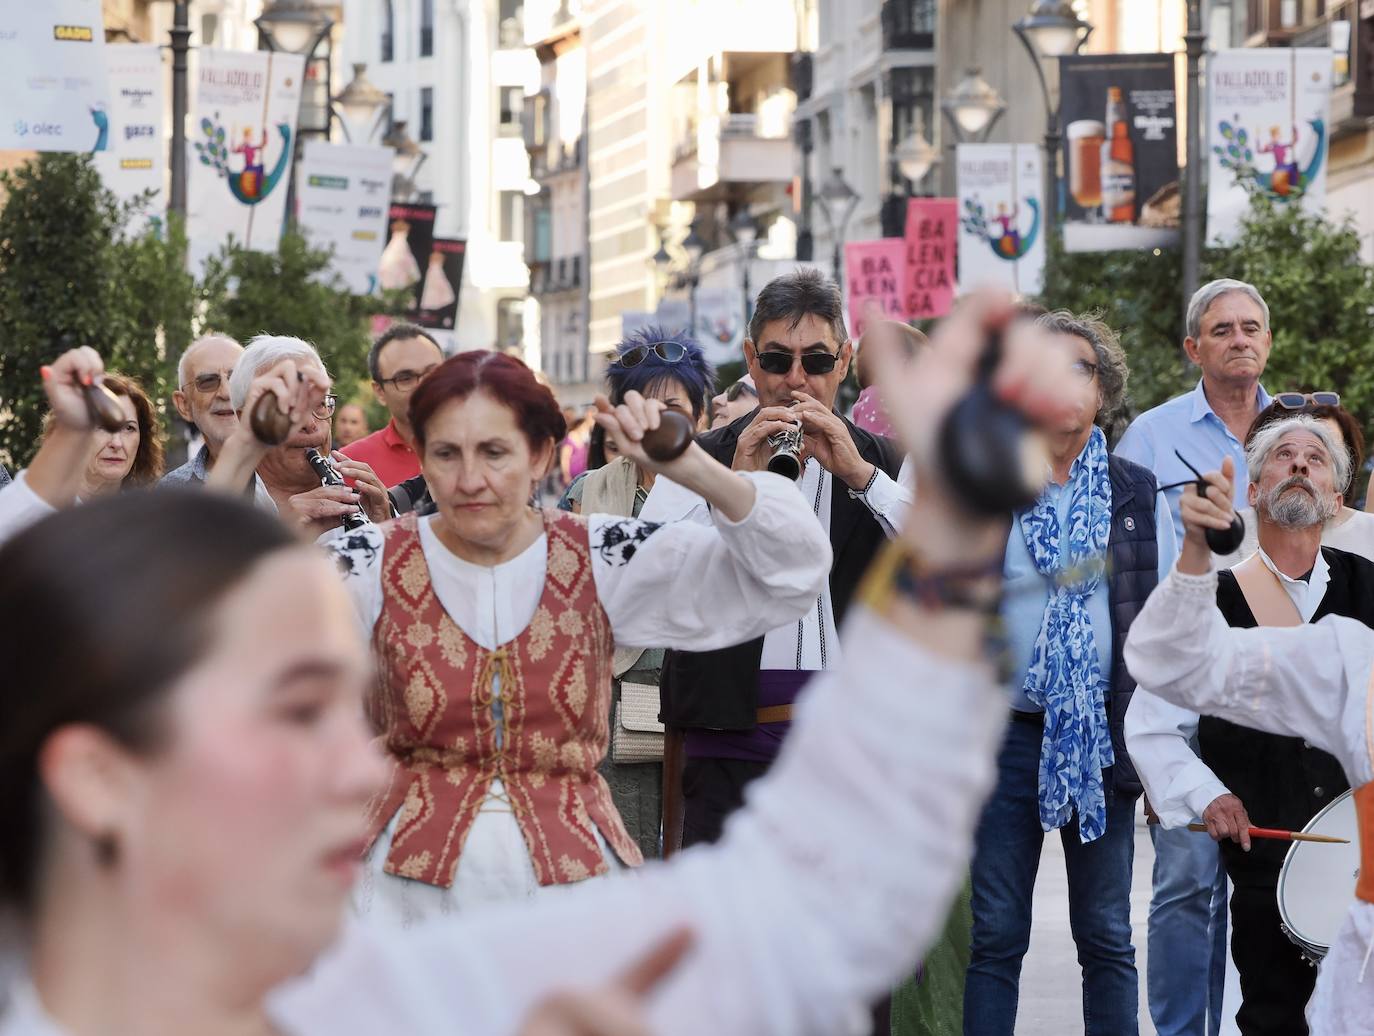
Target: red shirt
{"type": "Point", "coordinates": [387, 454]}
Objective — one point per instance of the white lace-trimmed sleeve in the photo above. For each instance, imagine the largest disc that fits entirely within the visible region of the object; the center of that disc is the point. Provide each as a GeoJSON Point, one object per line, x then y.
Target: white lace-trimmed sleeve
{"type": "Point", "coordinates": [1303, 681]}
{"type": "Point", "coordinates": [686, 585]}
{"type": "Point", "coordinates": [823, 892]}
{"type": "Point", "coordinates": [359, 558]}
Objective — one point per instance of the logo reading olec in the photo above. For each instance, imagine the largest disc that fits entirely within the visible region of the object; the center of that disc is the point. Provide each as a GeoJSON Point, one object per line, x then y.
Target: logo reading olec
{"type": "Point", "coordinates": [73, 33]}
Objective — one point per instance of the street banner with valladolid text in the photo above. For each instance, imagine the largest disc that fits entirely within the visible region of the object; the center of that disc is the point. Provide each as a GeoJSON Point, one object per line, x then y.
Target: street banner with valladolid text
{"type": "Point", "coordinates": [135, 162]}
{"type": "Point", "coordinates": [240, 140]}
{"type": "Point", "coordinates": [54, 95]}
{"type": "Point", "coordinates": [1001, 217]}
{"type": "Point", "coordinates": [1268, 122]}
{"type": "Point", "coordinates": [343, 192]}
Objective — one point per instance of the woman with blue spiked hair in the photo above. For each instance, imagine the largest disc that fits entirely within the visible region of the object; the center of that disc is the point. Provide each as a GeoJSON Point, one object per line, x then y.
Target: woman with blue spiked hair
{"type": "Point", "coordinates": [670, 367]}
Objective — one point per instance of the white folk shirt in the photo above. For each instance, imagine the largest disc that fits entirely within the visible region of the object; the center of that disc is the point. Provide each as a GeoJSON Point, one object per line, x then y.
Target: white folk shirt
{"type": "Point", "coordinates": [811, 643]}
{"type": "Point", "coordinates": [1308, 681]}
{"type": "Point", "coordinates": [1160, 735]}
{"type": "Point", "coordinates": [798, 926]}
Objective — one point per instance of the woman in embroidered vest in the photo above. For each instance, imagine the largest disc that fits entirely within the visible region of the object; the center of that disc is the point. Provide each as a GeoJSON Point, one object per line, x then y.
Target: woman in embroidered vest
{"type": "Point", "coordinates": [495, 626]}
{"type": "Point", "coordinates": [672, 369]}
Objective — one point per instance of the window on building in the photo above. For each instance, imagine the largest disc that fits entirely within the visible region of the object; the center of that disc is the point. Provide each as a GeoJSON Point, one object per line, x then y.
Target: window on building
{"type": "Point", "coordinates": [512, 104]}
{"type": "Point", "coordinates": [512, 216]}
{"type": "Point", "coordinates": [510, 322]}
{"type": "Point", "coordinates": [426, 28]}
{"type": "Point", "coordinates": [510, 27]}
{"type": "Point", "coordinates": [209, 29]}
{"type": "Point", "coordinates": [388, 40]}
{"type": "Point", "coordinates": [427, 113]}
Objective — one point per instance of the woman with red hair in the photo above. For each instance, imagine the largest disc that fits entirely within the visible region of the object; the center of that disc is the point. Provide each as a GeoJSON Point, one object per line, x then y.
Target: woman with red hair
{"type": "Point", "coordinates": [494, 624]}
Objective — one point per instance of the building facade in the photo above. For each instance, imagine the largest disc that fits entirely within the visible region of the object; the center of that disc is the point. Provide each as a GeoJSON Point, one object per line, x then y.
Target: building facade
{"type": "Point", "coordinates": [452, 68]}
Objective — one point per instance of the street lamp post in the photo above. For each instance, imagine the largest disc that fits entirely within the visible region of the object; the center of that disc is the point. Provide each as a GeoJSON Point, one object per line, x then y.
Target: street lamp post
{"type": "Point", "coordinates": [746, 232]}
{"type": "Point", "coordinates": [1194, 40]}
{"type": "Point", "coordinates": [181, 45]}
{"type": "Point", "coordinates": [359, 105]}
{"type": "Point", "coordinates": [973, 107]}
{"type": "Point", "coordinates": [838, 202]}
{"type": "Point", "coordinates": [1050, 31]}
{"type": "Point", "coordinates": [405, 163]}
{"type": "Point", "coordinates": [695, 248]}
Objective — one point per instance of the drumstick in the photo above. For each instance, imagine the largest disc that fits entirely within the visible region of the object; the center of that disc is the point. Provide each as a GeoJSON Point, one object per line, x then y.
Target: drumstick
{"type": "Point", "coordinates": [1281, 835]}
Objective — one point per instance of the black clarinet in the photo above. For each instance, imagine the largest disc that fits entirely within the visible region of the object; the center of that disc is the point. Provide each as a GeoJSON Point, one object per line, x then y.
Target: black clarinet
{"type": "Point", "coordinates": [330, 477]}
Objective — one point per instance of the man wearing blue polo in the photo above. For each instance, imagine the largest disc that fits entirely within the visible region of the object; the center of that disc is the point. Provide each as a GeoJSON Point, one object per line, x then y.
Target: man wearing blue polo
{"type": "Point", "coordinates": [1228, 337]}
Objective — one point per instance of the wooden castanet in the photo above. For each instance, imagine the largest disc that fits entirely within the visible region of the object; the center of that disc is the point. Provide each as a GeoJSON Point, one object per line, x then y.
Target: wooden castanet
{"type": "Point", "coordinates": [670, 439]}
{"type": "Point", "coordinates": [269, 424]}
{"type": "Point", "coordinates": [104, 406]}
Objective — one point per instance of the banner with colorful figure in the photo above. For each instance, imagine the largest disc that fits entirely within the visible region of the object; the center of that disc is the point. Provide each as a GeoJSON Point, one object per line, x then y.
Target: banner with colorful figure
{"type": "Point", "coordinates": [1269, 112]}
{"type": "Point", "coordinates": [240, 143]}
{"type": "Point", "coordinates": [135, 162]}
{"type": "Point", "coordinates": [875, 280]}
{"type": "Point", "coordinates": [52, 77]}
{"type": "Point", "coordinates": [932, 226]}
{"type": "Point", "coordinates": [343, 192]}
{"type": "Point", "coordinates": [1001, 217]}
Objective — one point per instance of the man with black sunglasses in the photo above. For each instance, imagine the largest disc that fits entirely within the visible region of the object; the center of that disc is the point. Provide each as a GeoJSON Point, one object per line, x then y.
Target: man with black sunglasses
{"type": "Point", "coordinates": [733, 706]}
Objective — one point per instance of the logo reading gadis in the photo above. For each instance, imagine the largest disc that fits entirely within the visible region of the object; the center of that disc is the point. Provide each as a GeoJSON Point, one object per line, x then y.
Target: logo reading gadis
{"type": "Point", "coordinates": [1002, 231]}
{"type": "Point", "coordinates": [250, 184]}
{"type": "Point", "coordinates": [1287, 178]}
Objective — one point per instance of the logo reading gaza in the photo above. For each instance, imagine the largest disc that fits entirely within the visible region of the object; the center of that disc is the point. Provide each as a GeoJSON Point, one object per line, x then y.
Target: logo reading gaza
{"type": "Point", "coordinates": [73, 33]}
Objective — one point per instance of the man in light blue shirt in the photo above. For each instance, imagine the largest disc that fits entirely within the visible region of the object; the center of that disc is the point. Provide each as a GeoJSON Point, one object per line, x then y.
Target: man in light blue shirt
{"type": "Point", "coordinates": [1228, 337]}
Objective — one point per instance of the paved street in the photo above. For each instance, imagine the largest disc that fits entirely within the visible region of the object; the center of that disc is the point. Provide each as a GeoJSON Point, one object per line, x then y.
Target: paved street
{"type": "Point", "coordinates": [1050, 983]}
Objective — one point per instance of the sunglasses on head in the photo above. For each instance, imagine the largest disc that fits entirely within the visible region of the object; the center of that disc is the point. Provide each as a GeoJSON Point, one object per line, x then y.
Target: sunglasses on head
{"type": "Point", "coordinates": [775, 361]}
{"type": "Point", "coordinates": [1302, 400]}
{"type": "Point", "coordinates": [668, 352]}
{"type": "Point", "coordinates": [738, 389]}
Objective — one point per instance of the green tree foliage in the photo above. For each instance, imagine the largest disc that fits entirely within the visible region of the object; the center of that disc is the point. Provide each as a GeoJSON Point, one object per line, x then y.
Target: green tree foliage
{"type": "Point", "coordinates": [1321, 301]}
{"type": "Point", "coordinates": [71, 274]}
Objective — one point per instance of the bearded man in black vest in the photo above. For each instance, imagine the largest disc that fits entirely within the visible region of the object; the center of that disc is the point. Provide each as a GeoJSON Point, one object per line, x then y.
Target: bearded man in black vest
{"type": "Point", "coordinates": [1298, 472]}
{"type": "Point", "coordinates": [733, 706]}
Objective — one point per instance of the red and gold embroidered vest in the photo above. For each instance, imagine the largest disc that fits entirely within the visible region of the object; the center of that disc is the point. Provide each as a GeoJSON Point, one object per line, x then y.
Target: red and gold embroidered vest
{"type": "Point", "coordinates": [1364, 812]}
{"type": "Point", "coordinates": [435, 701]}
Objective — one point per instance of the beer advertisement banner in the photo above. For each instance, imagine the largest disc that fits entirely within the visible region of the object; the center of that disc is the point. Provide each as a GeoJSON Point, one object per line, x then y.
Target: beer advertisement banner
{"type": "Point", "coordinates": [52, 77]}
{"type": "Point", "coordinates": [240, 143]}
{"type": "Point", "coordinates": [442, 283]}
{"type": "Point", "coordinates": [1121, 176]}
{"type": "Point", "coordinates": [406, 256]}
{"type": "Point", "coordinates": [1268, 123]}
{"type": "Point", "coordinates": [133, 164]}
{"type": "Point", "coordinates": [343, 192]}
{"type": "Point", "coordinates": [876, 282]}
{"type": "Point", "coordinates": [932, 226]}
{"type": "Point", "coordinates": [1001, 216]}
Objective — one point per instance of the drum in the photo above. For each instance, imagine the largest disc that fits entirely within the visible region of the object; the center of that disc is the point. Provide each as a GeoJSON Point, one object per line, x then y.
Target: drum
{"type": "Point", "coordinates": [1317, 882]}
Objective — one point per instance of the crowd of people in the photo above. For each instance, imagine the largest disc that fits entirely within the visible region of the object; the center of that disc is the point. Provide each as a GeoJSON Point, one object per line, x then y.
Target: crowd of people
{"type": "Point", "coordinates": [394, 747]}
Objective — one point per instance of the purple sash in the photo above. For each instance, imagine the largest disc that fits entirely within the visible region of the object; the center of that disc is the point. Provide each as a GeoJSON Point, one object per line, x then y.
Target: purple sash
{"type": "Point", "coordinates": [762, 744]}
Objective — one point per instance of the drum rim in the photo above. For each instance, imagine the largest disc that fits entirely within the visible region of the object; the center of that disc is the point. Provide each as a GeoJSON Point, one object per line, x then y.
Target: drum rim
{"type": "Point", "coordinates": [1293, 934]}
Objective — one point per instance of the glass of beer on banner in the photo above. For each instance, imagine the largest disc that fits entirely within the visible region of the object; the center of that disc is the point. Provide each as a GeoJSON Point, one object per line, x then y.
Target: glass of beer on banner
{"type": "Point", "coordinates": [1086, 137]}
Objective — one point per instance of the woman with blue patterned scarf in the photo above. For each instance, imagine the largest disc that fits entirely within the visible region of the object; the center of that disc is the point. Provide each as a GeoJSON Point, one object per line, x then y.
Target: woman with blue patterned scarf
{"type": "Point", "coordinates": [1079, 564]}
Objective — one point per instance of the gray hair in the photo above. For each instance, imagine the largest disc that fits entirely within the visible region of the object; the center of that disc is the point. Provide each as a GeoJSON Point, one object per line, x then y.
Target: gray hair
{"type": "Point", "coordinates": [1267, 438]}
{"type": "Point", "coordinates": [263, 352]}
{"type": "Point", "coordinates": [795, 296]}
{"type": "Point", "coordinates": [1203, 298]}
{"type": "Point", "coordinates": [1112, 372]}
{"type": "Point", "coordinates": [183, 376]}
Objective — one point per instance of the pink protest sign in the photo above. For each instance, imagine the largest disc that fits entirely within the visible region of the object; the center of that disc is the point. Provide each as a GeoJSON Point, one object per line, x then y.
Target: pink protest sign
{"type": "Point", "coordinates": [932, 227]}
{"type": "Point", "coordinates": [876, 273]}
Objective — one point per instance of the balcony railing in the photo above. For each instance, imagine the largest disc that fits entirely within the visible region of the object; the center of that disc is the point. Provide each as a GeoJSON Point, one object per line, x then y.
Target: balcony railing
{"type": "Point", "coordinates": [909, 24]}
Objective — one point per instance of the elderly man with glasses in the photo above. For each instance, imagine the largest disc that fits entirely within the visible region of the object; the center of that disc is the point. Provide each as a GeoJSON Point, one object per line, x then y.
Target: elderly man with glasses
{"type": "Point", "coordinates": [403, 355]}
{"type": "Point", "coordinates": [292, 485]}
{"type": "Point", "coordinates": [202, 399]}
